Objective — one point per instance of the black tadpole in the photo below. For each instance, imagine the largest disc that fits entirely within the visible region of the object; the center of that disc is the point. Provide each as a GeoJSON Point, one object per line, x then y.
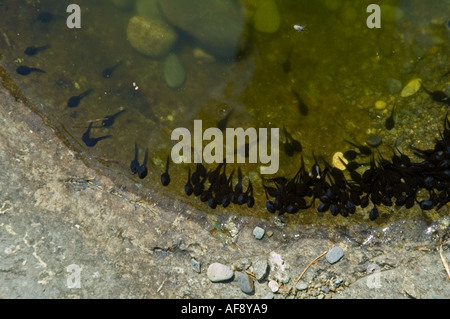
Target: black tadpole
{"type": "Point", "coordinates": [165, 177]}
{"type": "Point", "coordinates": [92, 141]}
{"type": "Point", "coordinates": [390, 122]}
{"type": "Point", "coordinates": [142, 170]}
{"type": "Point", "coordinates": [32, 51]}
{"type": "Point", "coordinates": [109, 119]}
{"type": "Point", "coordinates": [75, 100]}
{"type": "Point", "coordinates": [134, 166]}
{"type": "Point", "coordinates": [25, 70]}
{"type": "Point", "coordinates": [107, 73]}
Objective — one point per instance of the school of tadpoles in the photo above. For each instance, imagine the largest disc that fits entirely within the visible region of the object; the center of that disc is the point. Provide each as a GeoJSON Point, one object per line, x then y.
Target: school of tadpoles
{"type": "Point", "coordinates": [390, 182]}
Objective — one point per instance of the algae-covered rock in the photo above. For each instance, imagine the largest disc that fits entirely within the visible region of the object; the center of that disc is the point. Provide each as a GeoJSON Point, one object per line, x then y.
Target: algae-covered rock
{"type": "Point", "coordinates": [148, 8]}
{"type": "Point", "coordinates": [218, 25]}
{"type": "Point", "coordinates": [266, 18]}
{"type": "Point", "coordinates": [151, 36]}
{"type": "Point", "coordinates": [174, 72]}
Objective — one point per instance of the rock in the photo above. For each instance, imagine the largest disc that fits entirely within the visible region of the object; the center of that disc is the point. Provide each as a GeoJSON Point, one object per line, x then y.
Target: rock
{"type": "Point", "coordinates": [301, 285]}
{"type": "Point", "coordinates": [266, 18]}
{"type": "Point", "coordinates": [278, 268]}
{"type": "Point", "coordinates": [334, 255]}
{"type": "Point", "coordinates": [218, 25]}
{"type": "Point", "coordinates": [151, 36]}
{"type": "Point", "coordinates": [380, 105]}
{"type": "Point", "coordinates": [373, 140]}
{"type": "Point", "coordinates": [273, 285]}
{"type": "Point", "coordinates": [258, 232]}
{"type": "Point", "coordinates": [174, 73]}
{"type": "Point", "coordinates": [411, 88]}
{"type": "Point", "coordinates": [260, 268]}
{"type": "Point", "coordinates": [195, 265]}
{"type": "Point", "coordinates": [324, 289]}
{"type": "Point", "coordinates": [339, 161]}
{"type": "Point", "coordinates": [218, 272]}
{"type": "Point", "coordinates": [394, 86]}
{"type": "Point", "coordinates": [269, 295]}
{"type": "Point", "coordinates": [246, 283]}
{"type": "Point", "coordinates": [148, 8]}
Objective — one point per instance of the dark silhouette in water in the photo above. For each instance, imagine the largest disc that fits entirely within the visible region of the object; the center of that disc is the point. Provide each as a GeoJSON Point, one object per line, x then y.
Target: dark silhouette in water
{"type": "Point", "coordinates": [75, 100]}
{"type": "Point", "coordinates": [92, 141]}
{"type": "Point", "coordinates": [32, 51]}
{"type": "Point", "coordinates": [25, 70]}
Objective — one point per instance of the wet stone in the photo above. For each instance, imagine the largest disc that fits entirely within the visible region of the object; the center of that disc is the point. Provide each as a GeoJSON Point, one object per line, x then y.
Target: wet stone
{"type": "Point", "coordinates": [374, 140]}
{"type": "Point", "coordinates": [151, 36]}
{"type": "Point", "coordinates": [334, 255]}
{"type": "Point", "coordinates": [219, 26]}
{"type": "Point", "coordinates": [246, 283]}
{"type": "Point", "coordinates": [195, 265]}
{"type": "Point", "coordinates": [260, 269]}
{"type": "Point", "coordinates": [266, 18]}
{"type": "Point", "coordinates": [218, 272]}
{"type": "Point", "coordinates": [301, 285]}
{"type": "Point", "coordinates": [174, 72]}
{"type": "Point", "coordinates": [258, 232]}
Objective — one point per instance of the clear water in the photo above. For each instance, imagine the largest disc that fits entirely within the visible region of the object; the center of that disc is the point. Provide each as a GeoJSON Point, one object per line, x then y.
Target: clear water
{"type": "Point", "coordinates": [339, 67]}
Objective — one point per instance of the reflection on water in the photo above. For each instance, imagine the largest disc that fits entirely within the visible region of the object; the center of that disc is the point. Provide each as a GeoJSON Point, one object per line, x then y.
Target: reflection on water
{"type": "Point", "coordinates": [319, 83]}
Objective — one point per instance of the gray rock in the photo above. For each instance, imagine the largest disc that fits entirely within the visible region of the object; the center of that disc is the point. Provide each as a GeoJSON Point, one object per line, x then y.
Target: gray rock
{"type": "Point", "coordinates": [334, 255]}
{"type": "Point", "coordinates": [174, 72]}
{"type": "Point", "coordinates": [218, 272]}
{"type": "Point", "coordinates": [195, 265]}
{"type": "Point", "coordinates": [258, 232]}
{"type": "Point", "coordinates": [260, 269]}
{"type": "Point", "coordinates": [269, 295]}
{"type": "Point", "coordinates": [151, 36]}
{"type": "Point", "coordinates": [373, 140]}
{"type": "Point", "coordinates": [301, 285]}
{"type": "Point", "coordinates": [325, 289]}
{"type": "Point", "coordinates": [246, 283]}
{"type": "Point", "coordinates": [218, 25]}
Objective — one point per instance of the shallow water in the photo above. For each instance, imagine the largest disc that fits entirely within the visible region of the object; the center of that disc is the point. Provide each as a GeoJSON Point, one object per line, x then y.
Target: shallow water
{"type": "Point", "coordinates": [339, 68]}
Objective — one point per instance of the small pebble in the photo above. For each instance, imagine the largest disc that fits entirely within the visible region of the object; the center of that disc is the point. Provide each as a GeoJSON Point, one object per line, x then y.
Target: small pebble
{"type": "Point", "coordinates": [273, 285]}
{"type": "Point", "coordinates": [258, 232]}
{"type": "Point", "coordinates": [246, 283]}
{"type": "Point", "coordinates": [380, 105]}
{"type": "Point", "coordinates": [334, 255]}
{"type": "Point", "coordinates": [339, 160]}
{"type": "Point", "coordinates": [195, 265]}
{"type": "Point", "coordinates": [373, 140]}
{"type": "Point", "coordinates": [325, 289]}
{"type": "Point", "coordinates": [218, 272]}
{"type": "Point", "coordinates": [260, 268]}
{"type": "Point", "coordinates": [301, 285]}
